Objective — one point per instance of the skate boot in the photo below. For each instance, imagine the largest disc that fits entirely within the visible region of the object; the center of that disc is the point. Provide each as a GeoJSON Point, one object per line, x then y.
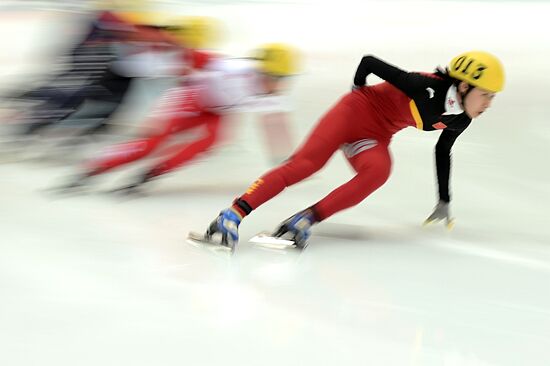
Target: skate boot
{"type": "Point", "coordinates": [297, 228]}
{"type": "Point", "coordinates": [226, 225]}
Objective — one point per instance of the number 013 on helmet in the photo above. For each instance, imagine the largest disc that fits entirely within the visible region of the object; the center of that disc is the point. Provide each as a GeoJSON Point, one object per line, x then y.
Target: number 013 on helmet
{"type": "Point", "coordinates": [480, 69]}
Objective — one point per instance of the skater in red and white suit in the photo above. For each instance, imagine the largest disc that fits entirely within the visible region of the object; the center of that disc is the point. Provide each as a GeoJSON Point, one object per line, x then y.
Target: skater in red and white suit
{"type": "Point", "coordinates": [361, 124]}
{"type": "Point", "coordinates": [221, 86]}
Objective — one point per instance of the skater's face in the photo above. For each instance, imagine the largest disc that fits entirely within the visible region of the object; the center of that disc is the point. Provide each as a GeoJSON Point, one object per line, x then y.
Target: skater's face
{"type": "Point", "coordinates": [273, 84]}
{"type": "Point", "coordinates": [476, 101]}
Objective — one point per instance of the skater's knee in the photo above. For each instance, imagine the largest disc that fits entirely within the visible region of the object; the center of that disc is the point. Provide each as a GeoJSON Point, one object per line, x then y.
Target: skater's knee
{"type": "Point", "coordinates": [375, 168]}
{"type": "Point", "coordinates": [207, 141]}
{"type": "Point", "coordinates": [376, 175]}
{"type": "Point", "coordinates": [145, 146]}
{"type": "Point", "coordinates": [382, 172]}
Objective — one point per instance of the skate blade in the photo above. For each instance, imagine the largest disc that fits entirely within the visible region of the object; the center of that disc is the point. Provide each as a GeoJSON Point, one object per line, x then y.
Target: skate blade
{"type": "Point", "coordinates": [267, 240]}
{"type": "Point", "coordinates": [199, 241]}
{"type": "Point", "coordinates": [126, 193]}
{"type": "Point", "coordinates": [63, 191]}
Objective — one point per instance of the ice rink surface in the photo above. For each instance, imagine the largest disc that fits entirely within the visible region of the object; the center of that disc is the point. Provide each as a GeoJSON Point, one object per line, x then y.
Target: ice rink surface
{"type": "Point", "coordinates": [100, 280]}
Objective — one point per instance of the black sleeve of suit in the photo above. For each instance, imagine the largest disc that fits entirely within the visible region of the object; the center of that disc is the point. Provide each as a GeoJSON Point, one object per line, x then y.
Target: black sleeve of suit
{"type": "Point", "coordinates": [403, 80]}
{"type": "Point", "coordinates": [443, 161]}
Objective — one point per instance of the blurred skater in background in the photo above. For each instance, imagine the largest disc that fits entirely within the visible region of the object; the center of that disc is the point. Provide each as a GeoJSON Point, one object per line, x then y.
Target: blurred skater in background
{"type": "Point", "coordinates": [118, 48]}
{"type": "Point", "coordinates": [222, 86]}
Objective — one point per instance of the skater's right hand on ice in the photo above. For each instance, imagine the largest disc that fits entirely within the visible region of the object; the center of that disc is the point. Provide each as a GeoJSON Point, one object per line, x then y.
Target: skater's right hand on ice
{"type": "Point", "coordinates": [441, 212]}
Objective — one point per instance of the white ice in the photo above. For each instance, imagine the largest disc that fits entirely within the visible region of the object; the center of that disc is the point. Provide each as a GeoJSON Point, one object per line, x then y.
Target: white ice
{"type": "Point", "coordinates": [96, 280]}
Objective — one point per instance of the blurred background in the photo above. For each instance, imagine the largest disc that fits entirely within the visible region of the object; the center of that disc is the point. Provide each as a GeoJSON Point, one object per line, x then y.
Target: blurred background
{"type": "Point", "coordinates": [96, 278]}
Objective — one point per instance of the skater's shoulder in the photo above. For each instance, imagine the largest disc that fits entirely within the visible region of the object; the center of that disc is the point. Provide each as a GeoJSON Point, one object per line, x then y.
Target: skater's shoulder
{"type": "Point", "coordinates": [231, 65]}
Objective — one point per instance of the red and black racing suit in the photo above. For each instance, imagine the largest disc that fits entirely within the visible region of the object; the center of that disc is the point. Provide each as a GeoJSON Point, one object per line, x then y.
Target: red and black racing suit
{"type": "Point", "coordinates": [361, 124]}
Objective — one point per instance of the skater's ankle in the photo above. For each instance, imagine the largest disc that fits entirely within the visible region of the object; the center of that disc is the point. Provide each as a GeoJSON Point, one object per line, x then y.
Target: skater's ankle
{"type": "Point", "coordinates": [241, 207]}
{"type": "Point", "coordinates": [313, 215]}
{"type": "Point", "coordinates": [93, 172]}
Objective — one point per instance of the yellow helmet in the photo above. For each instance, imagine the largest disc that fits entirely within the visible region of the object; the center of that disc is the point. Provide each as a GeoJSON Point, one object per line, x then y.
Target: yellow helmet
{"type": "Point", "coordinates": [120, 5]}
{"type": "Point", "coordinates": [277, 59]}
{"type": "Point", "coordinates": [197, 31]}
{"type": "Point", "coordinates": [190, 31]}
{"type": "Point", "coordinates": [145, 18]}
{"type": "Point", "coordinates": [478, 68]}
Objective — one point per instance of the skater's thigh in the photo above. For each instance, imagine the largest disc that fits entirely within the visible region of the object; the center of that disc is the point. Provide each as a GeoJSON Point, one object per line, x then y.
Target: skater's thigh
{"type": "Point", "coordinates": [177, 111]}
{"type": "Point", "coordinates": [185, 122]}
{"type": "Point", "coordinates": [336, 126]}
{"type": "Point", "coordinates": [369, 155]}
{"type": "Point", "coordinates": [331, 131]}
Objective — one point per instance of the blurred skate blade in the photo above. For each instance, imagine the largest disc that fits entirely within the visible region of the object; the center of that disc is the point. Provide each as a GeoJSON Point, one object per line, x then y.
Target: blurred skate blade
{"type": "Point", "coordinates": [57, 192]}
{"type": "Point", "coordinates": [127, 192]}
{"type": "Point", "coordinates": [266, 240]}
{"type": "Point", "coordinates": [197, 240]}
